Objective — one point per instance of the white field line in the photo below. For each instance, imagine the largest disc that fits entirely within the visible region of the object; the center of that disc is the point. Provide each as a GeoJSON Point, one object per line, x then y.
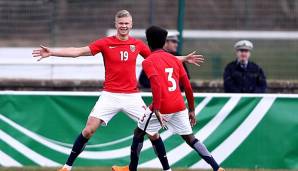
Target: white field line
{"type": "Point", "coordinates": [7, 161]}
{"type": "Point", "coordinates": [32, 155]}
{"type": "Point", "coordinates": [228, 146]}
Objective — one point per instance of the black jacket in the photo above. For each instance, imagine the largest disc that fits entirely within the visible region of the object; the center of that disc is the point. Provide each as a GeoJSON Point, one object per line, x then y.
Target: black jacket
{"type": "Point", "coordinates": [244, 80]}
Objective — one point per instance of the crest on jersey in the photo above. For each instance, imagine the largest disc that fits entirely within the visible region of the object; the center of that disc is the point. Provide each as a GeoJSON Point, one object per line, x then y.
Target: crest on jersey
{"type": "Point", "coordinates": [132, 48]}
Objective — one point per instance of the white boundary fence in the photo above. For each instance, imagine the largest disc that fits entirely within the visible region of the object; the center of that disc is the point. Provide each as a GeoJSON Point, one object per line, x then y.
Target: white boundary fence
{"type": "Point", "coordinates": [221, 34]}
{"type": "Point", "coordinates": [18, 63]}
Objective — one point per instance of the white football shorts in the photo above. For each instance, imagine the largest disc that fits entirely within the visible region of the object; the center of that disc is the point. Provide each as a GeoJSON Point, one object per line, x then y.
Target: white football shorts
{"type": "Point", "coordinates": [176, 122]}
{"type": "Point", "coordinates": [109, 104]}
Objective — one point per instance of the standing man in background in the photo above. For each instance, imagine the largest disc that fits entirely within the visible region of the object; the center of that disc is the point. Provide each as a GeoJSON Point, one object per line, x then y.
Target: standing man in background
{"type": "Point", "coordinates": [242, 75]}
{"type": "Point", "coordinates": [171, 46]}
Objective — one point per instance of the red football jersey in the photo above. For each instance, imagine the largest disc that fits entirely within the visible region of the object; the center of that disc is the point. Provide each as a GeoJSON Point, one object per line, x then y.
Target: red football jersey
{"type": "Point", "coordinates": [120, 62]}
{"type": "Point", "coordinates": [170, 70]}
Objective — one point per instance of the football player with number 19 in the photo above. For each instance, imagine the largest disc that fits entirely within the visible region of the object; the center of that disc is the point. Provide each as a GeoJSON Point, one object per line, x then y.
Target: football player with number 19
{"type": "Point", "coordinates": [120, 92]}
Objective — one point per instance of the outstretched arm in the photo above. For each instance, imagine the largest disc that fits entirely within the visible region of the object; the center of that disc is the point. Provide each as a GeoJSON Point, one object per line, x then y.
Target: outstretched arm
{"type": "Point", "coordinates": [192, 58]}
{"type": "Point", "coordinates": [44, 52]}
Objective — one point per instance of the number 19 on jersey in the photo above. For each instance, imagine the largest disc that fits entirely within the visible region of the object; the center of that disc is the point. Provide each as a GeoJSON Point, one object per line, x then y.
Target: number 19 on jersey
{"type": "Point", "coordinates": [123, 55]}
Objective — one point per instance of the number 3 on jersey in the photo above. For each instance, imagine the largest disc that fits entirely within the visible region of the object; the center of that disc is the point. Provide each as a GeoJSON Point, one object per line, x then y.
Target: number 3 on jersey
{"type": "Point", "coordinates": [171, 79]}
{"type": "Point", "coordinates": [123, 55]}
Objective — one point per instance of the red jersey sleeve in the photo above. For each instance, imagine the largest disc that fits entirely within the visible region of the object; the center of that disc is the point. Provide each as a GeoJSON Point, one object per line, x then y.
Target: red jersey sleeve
{"type": "Point", "coordinates": [182, 71]}
{"type": "Point", "coordinates": [156, 92]}
{"type": "Point", "coordinates": [152, 74]}
{"type": "Point", "coordinates": [144, 50]}
{"type": "Point", "coordinates": [96, 46]}
{"type": "Point", "coordinates": [149, 68]}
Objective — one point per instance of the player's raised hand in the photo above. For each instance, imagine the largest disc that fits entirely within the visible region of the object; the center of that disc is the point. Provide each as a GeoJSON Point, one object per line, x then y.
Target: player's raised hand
{"type": "Point", "coordinates": [160, 119]}
{"type": "Point", "coordinates": [192, 118]}
{"type": "Point", "coordinates": [194, 58]}
{"type": "Point", "coordinates": [41, 53]}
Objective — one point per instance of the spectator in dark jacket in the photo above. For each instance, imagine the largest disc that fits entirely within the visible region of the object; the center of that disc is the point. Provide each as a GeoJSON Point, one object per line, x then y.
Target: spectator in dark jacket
{"type": "Point", "coordinates": [242, 75]}
{"type": "Point", "coordinates": [170, 46]}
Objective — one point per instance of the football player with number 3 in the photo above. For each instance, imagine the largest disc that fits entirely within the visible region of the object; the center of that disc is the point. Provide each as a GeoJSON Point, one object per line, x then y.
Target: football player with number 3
{"type": "Point", "coordinates": [120, 92]}
{"type": "Point", "coordinates": [168, 109]}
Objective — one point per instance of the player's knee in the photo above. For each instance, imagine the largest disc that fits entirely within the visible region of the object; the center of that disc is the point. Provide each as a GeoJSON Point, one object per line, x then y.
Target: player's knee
{"type": "Point", "coordinates": [88, 132]}
{"type": "Point", "coordinates": [189, 139]}
{"type": "Point", "coordinates": [153, 137]}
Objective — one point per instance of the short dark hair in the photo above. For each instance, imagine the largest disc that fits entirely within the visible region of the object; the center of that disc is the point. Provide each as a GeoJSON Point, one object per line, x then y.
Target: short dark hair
{"type": "Point", "coordinates": [156, 37]}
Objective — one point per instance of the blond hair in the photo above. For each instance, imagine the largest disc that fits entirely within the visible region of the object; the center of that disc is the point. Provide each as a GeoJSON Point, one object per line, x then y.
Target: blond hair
{"type": "Point", "coordinates": [122, 13]}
